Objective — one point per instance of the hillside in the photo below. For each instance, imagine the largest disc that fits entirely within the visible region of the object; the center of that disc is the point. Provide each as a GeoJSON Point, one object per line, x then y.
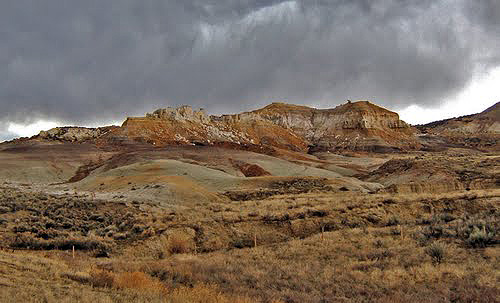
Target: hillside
{"type": "Point", "coordinates": [361, 126]}
{"type": "Point", "coordinates": [351, 127]}
{"type": "Point", "coordinates": [356, 126]}
{"type": "Point", "coordinates": [480, 130]}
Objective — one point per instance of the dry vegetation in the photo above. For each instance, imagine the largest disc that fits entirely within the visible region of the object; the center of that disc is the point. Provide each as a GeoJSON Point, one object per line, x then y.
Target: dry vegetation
{"type": "Point", "coordinates": [310, 247]}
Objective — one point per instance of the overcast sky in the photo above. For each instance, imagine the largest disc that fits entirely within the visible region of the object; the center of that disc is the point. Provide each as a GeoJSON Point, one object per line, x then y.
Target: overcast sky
{"type": "Point", "coordinates": [97, 61]}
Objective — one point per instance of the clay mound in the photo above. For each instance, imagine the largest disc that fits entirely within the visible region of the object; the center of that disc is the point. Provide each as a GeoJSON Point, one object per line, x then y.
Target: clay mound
{"type": "Point", "coordinates": [250, 170]}
{"type": "Point", "coordinates": [44, 162]}
{"type": "Point", "coordinates": [182, 174]}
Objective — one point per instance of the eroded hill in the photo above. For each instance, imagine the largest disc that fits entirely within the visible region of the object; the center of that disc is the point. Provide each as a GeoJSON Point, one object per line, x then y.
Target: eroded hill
{"type": "Point", "coordinates": [480, 131]}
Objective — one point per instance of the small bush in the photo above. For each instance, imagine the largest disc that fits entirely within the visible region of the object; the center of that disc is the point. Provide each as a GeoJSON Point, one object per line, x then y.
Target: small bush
{"type": "Point", "coordinates": [395, 231]}
{"type": "Point", "coordinates": [4, 209]}
{"type": "Point", "coordinates": [179, 243]}
{"type": "Point", "coordinates": [446, 217]}
{"type": "Point", "coordinates": [102, 278]}
{"type": "Point", "coordinates": [434, 231]}
{"type": "Point", "coordinates": [476, 233]}
{"type": "Point", "coordinates": [437, 252]}
{"type": "Point", "coordinates": [479, 237]}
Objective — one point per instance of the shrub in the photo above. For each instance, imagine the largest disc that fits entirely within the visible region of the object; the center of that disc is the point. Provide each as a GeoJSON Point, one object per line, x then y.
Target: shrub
{"type": "Point", "coordinates": [437, 252]}
{"type": "Point", "coordinates": [30, 241]}
{"type": "Point", "coordinates": [446, 217]}
{"type": "Point", "coordinates": [179, 243]}
{"type": "Point", "coordinates": [434, 231]}
{"type": "Point", "coordinates": [476, 233]}
{"type": "Point", "coordinates": [479, 237]}
{"type": "Point", "coordinates": [102, 278]}
{"type": "Point", "coordinates": [395, 231]}
{"type": "Point", "coordinates": [4, 209]}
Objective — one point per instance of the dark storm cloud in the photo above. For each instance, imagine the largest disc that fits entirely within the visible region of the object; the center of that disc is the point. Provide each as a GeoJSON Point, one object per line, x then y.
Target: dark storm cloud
{"type": "Point", "coordinates": [95, 60]}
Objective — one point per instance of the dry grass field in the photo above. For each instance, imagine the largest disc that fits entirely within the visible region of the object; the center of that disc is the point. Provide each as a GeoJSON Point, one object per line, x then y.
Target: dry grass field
{"type": "Point", "coordinates": [317, 246]}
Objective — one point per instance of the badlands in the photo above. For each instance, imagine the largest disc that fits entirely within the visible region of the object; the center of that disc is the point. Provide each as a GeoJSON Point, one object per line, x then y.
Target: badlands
{"type": "Point", "coordinates": [285, 203]}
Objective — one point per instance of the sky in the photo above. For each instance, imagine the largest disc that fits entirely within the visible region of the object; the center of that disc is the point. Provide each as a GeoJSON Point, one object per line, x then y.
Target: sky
{"type": "Point", "coordinates": [95, 62]}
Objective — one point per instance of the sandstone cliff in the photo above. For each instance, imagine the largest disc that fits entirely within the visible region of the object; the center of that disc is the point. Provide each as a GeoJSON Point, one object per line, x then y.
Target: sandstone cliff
{"type": "Point", "coordinates": [352, 126]}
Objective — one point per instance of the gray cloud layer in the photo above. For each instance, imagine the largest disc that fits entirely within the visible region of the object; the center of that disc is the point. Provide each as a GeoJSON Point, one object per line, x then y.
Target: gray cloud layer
{"type": "Point", "coordinates": [85, 61]}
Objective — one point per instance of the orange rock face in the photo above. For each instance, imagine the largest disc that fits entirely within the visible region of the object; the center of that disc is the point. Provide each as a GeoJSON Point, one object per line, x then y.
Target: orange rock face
{"type": "Point", "coordinates": [352, 126]}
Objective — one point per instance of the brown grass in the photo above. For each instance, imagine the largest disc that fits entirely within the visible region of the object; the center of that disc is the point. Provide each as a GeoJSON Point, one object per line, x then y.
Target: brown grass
{"type": "Point", "coordinates": [179, 243]}
{"type": "Point", "coordinates": [138, 281]}
{"type": "Point", "coordinates": [202, 293]}
{"type": "Point", "coordinates": [312, 247]}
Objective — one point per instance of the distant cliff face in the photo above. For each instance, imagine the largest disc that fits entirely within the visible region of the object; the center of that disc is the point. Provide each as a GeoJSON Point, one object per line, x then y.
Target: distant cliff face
{"type": "Point", "coordinates": [186, 126]}
{"type": "Point", "coordinates": [316, 123]}
{"type": "Point", "coordinates": [355, 125]}
{"type": "Point", "coordinates": [352, 126]}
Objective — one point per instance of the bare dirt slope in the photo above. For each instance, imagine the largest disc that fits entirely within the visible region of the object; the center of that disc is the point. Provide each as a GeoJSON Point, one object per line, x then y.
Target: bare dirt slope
{"type": "Point", "coordinates": [174, 174]}
{"type": "Point", "coordinates": [44, 162]}
{"type": "Point", "coordinates": [480, 131]}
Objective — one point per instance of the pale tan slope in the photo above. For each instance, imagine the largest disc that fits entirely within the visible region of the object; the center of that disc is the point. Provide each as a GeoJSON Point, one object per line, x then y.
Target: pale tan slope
{"type": "Point", "coordinates": [40, 162]}
{"type": "Point", "coordinates": [175, 171]}
{"type": "Point", "coordinates": [174, 175]}
{"type": "Point", "coordinates": [284, 163]}
{"type": "Point", "coordinates": [184, 181]}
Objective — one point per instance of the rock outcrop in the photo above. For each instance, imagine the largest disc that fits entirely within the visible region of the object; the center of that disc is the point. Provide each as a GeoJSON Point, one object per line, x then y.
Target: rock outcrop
{"type": "Point", "coordinates": [74, 133]}
{"type": "Point", "coordinates": [360, 126]}
{"type": "Point", "coordinates": [183, 113]}
{"type": "Point", "coordinates": [186, 126]}
{"type": "Point", "coordinates": [354, 126]}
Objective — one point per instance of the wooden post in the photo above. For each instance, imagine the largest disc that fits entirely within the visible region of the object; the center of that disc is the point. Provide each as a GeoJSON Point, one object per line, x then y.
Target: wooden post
{"type": "Point", "coordinates": [73, 251]}
{"type": "Point", "coordinates": [322, 232]}
{"type": "Point", "coordinates": [255, 239]}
